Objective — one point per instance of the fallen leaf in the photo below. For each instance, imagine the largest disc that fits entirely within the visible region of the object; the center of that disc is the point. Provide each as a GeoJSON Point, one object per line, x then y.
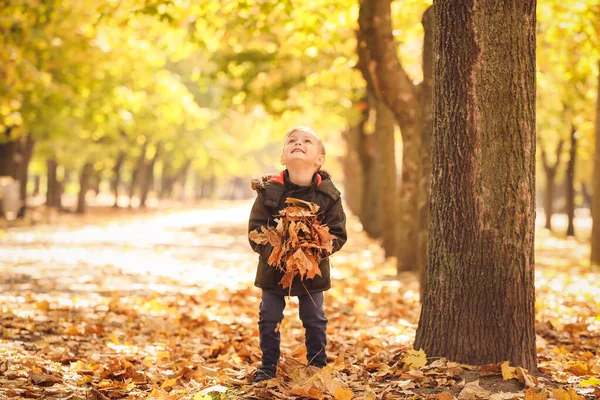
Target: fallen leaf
{"type": "Point", "coordinates": [593, 381]}
{"type": "Point", "coordinates": [343, 394]}
{"type": "Point", "coordinates": [570, 394]}
{"type": "Point", "coordinates": [473, 391]}
{"type": "Point", "coordinates": [415, 359]}
{"type": "Point", "coordinates": [508, 372]}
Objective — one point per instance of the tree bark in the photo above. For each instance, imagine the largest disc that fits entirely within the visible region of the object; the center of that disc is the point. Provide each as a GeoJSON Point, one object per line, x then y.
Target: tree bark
{"type": "Point", "coordinates": [116, 182]}
{"type": "Point", "coordinates": [84, 185]}
{"type": "Point", "coordinates": [595, 243]}
{"type": "Point", "coordinates": [550, 170]}
{"type": "Point", "coordinates": [371, 217]}
{"type": "Point", "coordinates": [380, 203]}
{"type": "Point", "coordinates": [354, 173]}
{"type": "Point", "coordinates": [394, 87]}
{"type": "Point", "coordinates": [385, 143]}
{"type": "Point", "coordinates": [426, 101]}
{"type": "Point", "coordinates": [479, 294]}
{"type": "Point", "coordinates": [570, 183]}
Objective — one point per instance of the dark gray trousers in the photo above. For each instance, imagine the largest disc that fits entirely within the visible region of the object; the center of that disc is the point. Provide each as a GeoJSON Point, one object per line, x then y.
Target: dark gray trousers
{"type": "Point", "coordinates": [313, 320]}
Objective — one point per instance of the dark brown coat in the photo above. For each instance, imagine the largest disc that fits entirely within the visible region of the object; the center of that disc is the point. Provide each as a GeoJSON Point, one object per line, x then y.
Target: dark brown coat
{"type": "Point", "coordinates": [272, 191]}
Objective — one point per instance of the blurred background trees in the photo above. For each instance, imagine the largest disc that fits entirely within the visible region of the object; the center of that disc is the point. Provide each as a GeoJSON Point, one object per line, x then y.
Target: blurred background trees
{"type": "Point", "coordinates": [130, 102]}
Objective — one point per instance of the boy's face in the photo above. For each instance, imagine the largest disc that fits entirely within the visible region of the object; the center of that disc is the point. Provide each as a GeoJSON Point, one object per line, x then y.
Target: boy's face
{"type": "Point", "coordinates": [302, 149]}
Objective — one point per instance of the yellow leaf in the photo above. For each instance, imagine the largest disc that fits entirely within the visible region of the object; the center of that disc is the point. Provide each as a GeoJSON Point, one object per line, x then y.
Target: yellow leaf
{"type": "Point", "coordinates": [593, 381]}
{"type": "Point", "coordinates": [42, 305]}
{"type": "Point", "coordinates": [508, 372]}
{"type": "Point", "coordinates": [415, 359]}
{"type": "Point", "coordinates": [199, 396]}
{"type": "Point", "coordinates": [343, 394]}
{"type": "Point", "coordinates": [114, 339]}
{"type": "Point", "coordinates": [169, 383]}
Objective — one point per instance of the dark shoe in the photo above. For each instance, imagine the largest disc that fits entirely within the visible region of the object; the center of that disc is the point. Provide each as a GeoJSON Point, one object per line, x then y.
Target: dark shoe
{"type": "Point", "coordinates": [316, 364]}
{"type": "Point", "coordinates": [263, 374]}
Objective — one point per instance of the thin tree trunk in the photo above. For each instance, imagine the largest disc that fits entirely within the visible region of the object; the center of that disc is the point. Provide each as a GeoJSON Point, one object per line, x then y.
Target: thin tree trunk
{"type": "Point", "coordinates": [570, 183]}
{"type": "Point", "coordinates": [148, 177]}
{"type": "Point", "coordinates": [116, 182]}
{"type": "Point", "coordinates": [392, 84]}
{"type": "Point", "coordinates": [137, 171]}
{"type": "Point", "coordinates": [166, 180]}
{"type": "Point", "coordinates": [595, 242]}
{"type": "Point", "coordinates": [37, 180]}
{"type": "Point", "coordinates": [426, 101]}
{"type": "Point", "coordinates": [181, 178]}
{"type": "Point", "coordinates": [550, 170]}
{"type": "Point", "coordinates": [84, 185]}
{"type": "Point", "coordinates": [587, 198]}
{"type": "Point", "coordinates": [26, 151]}
{"type": "Point", "coordinates": [371, 217]}
{"type": "Point", "coordinates": [479, 295]}
{"type": "Point", "coordinates": [7, 155]}
{"type": "Point", "coordinates": [51, 188]}
{"type": "Point", "coordinates": [353, 161]}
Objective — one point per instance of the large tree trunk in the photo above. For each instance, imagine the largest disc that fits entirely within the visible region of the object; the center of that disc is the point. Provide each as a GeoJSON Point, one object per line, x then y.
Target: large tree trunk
{"type": "Point", "coordinates": [84, 185]}
{"type": "Point", "coordinates": [570, 183]}
{"type": "Point", "coordinates": [385, 143]}
{"type": "Point", "coordinates": [394, 86]}
{"type": "Point", "coordinates": [26, 151]}
{"type": "Point", "coordinates": [116, 182]}
{"type": "Point", "coordinates": [148, 178]}
{"type": "Point", "coordinates": [380, 202]}
{"type": "Point", "coordinates": [550, 170]}
{"type": "Point", "coordinates": [426, 101]}
{"type": "Point", "coordinates": [595, 250]}
{"type": "Point", "coordinates": [479, 294]}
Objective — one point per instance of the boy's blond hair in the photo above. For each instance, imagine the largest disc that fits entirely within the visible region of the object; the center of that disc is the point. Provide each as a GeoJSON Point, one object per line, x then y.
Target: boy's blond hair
{"type": "Point", "coordinates": [307, 130]}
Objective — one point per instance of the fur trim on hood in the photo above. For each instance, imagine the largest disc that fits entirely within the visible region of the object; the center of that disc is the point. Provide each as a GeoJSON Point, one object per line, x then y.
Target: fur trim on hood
{"type": "Point", "coordinates": [259, 184]}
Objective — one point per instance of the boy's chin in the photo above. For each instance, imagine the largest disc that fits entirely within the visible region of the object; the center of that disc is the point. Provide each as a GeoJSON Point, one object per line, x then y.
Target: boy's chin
{"type": "Point", "coordinates": [301, 165]}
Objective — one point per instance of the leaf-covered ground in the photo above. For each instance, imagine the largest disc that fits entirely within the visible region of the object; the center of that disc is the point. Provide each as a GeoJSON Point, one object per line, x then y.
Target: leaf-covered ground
{"type": "Point", "coordinates": [161, 305]}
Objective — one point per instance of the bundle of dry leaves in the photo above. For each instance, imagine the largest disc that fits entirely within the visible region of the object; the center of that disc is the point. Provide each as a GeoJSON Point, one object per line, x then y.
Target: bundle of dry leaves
{"type": "Point", "coordinates": [300, 241]}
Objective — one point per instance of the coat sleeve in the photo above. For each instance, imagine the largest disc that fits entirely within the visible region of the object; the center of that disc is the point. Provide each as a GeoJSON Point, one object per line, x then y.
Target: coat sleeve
{"type": "Point", "coordinates": [259, 216]}
{"type": "Point", "coordinates": [335, 218]}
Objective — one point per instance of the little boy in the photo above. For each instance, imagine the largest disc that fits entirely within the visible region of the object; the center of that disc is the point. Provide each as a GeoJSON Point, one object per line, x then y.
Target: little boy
{"type": "Point", "coordinates": [303, 155]}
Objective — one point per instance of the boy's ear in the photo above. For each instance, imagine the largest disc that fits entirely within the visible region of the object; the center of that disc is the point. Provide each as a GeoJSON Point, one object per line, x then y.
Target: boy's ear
{"type": "Point", "coordinates": [321, 160]}
{"type": "Point", "coordinates": [282, 160]}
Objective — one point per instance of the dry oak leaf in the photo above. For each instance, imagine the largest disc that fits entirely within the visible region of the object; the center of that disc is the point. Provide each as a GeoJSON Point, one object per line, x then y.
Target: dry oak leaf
{"type": "Point", "coordinates": [533, 394]}
{"type": "Point", "coordinates": [343, 394]}
{"type": "Point", "coordinates": [414, 359]}
{"type": "Point", "coordinates": [41, 379]}
{"type": "Point", "coordinates": [508, 372]}
{"type": "Point", "coordinates": [570, 394]}
{"type": "Point", "coordinates": [473, 391]}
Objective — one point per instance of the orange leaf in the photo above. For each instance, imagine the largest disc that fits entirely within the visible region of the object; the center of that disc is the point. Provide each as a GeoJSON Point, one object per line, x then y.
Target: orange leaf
{"type": "Point", "coordinates": [343, 394]}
